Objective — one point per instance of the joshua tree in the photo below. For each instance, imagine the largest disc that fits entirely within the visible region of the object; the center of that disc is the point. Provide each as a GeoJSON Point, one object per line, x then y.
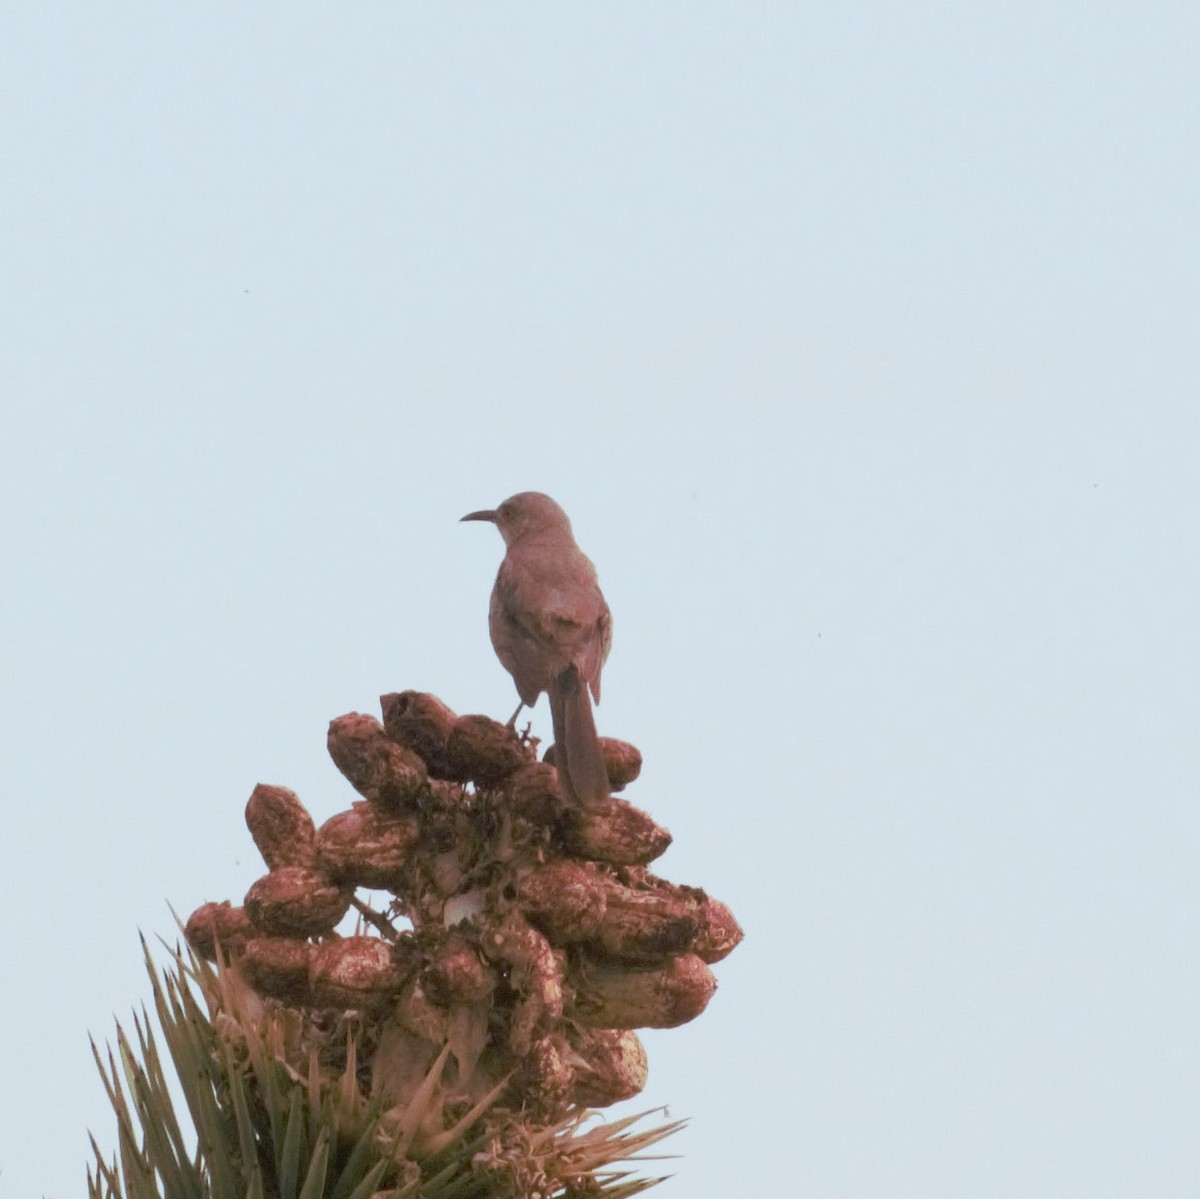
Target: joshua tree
{"type": "Point", "coordinates": [456, 1043]}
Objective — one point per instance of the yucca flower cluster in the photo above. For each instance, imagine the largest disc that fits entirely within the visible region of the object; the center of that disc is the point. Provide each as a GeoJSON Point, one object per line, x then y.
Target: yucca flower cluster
{"type": "Point", "coordinates": [507, 945]}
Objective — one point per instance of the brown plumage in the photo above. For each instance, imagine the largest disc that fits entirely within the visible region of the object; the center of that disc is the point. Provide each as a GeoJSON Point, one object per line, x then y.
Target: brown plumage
{"type": "Point", "coordinates": [552, 630]}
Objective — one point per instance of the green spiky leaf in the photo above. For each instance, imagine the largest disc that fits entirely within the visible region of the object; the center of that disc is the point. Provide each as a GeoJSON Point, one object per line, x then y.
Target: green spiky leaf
{"type": "Point", "coordinates": [265, 1128]}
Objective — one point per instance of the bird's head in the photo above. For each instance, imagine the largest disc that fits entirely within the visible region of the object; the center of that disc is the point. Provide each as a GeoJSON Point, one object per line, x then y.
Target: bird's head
{"type": "Point", "coordinates": [524, 513]}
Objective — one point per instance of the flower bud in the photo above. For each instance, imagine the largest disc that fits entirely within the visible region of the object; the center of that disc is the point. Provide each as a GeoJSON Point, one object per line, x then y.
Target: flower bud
{"type": "Point", "coordinates": [218, 923]}
{"type": "Point", "coordinates": [365, 847]}
{"type": "Point", "coordinates": [622, 761]}
{"type": "Point", "coordinates": [281, 827]}
{"type": "Point", "coordinates": [615, 832]}
{"type": "Point", "coordinates": [385, 773]}
{"type": "Point", "coordinates": [278, 968]}
{"type": "Point", "coordinates": [614, 996]}
{"type": "Point", "coordinates": [612, 1065]}
{"type": "Point", "coordinates": [294, 901]}
{"type": "Point", "coordinates": [642, 926]}
{"type": "Point", "coordinates": [545, 1077]}
{"type": "Point", "coordinates": [458, 975]}
{"type": "Point", "coordinates": [720, 934]}
{"type": "Point", "coordinates": [421, 723]}
{"type": "Point", "coordinates": [532, 793]}
{"type": "Point", "coordinates": [535, 973]}
{"type": "Point", "coordinates": [483, 751]}
{"type": "Point", "coordinates": [565, 899]}
{"type": "Point", "coordinates": [356, 972]}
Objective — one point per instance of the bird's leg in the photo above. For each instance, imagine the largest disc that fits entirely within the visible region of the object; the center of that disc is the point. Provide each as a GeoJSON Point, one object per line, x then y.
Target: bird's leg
{"type": "Point", "coordinates": [511, 724]}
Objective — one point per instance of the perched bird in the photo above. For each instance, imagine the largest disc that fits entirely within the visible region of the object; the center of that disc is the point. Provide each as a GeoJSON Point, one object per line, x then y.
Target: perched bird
{"type": "Point", "coordinates": [552, 631]}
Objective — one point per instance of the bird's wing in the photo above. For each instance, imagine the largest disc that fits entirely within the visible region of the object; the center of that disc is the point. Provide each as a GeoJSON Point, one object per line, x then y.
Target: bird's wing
{"type": "Point", "coordinates": [548, 615]}
{"type": "Point", "coordinates": [595, 651]}
{"type": "Point", "coordinates": [517, 646]}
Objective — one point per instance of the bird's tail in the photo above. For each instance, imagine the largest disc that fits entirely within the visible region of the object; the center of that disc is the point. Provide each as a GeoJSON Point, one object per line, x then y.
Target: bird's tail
{"type": "Point", "coordinates": [578, 756]}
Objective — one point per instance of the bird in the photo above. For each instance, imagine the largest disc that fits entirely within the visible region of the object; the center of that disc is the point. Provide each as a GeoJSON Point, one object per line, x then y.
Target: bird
{"type": "Point", "coordinates": [552, 631]}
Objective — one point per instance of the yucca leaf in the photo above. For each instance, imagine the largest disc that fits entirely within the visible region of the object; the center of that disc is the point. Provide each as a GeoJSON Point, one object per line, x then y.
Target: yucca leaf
{"type": "Point", "coordinates": [463, 1151]}
{"type": "Point", "coordinates": [267, 1130]}
{"type": "Point", "coordinates": [435, 1144]}
{"type": "Point", "coordinates": [156, 1078]}
{"type": "Point", "coordinates": [192, 1044]}
{"type": "Point", "coordinates": [455, 1183]}
{"type": "Point", "coordinates": [162, 1140]}
{"type": "Point", "coordinates": [370, 1181]}
{"type": "Point", "coordinates": [414, 1112]}
{"type": "Point", "coordinates": [289, 1156]}
{"type": "Point", "coordinates": [314, 1183]}
{"type": "Point", "coordinates": [408, 1190]}
{"type": "Point", "coordinates": [350, 1094]}
{"type": "Point", "coordinates": [115, 1096]}
{"type": "Point", "coordinates": [360, 1159]}
{"type": "Point", "coordinates": [247, 1141]}
{"type": "Point", "coordinates": [266, 1080]}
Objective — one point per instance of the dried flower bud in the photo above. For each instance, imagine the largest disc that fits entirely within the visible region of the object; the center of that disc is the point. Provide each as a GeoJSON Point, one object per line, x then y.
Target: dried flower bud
{"type": "Point", "coordinates": [458, 975]}
{"type": "Point", "coordinates": [622, 761]}
{"type": "Point", "coordinates": [366, 847]}
{"type": "Point", "coordinates": [535, 973]}
{"type": "Point", "coordinates": [218, 923]}
{"type": "Point", "coordinates": [578, 902]}
{"type": "Point", "coordinates": [615, 832]}
{"type": "Point", "coordinates": [614, 1065]}
{"type": "Point", "coordinates": [545, 1078]}
{"type": "Point", "coordinates": [538, 937]}
{"type": "Point", "coordinates": [483, 751]}
{"type": "Point", "coordinates": [611, 996]}
{"type": "Point", "coordinates": [720, 934]}
{"type": "Point", "coordinates": [642, 926]}
{"type": "Point", "coordinates": [278, 968]}
{"type": "Point", "coordinates": [445, 873]}
{"type": "Point", "coordinates": [294, 901]}
{"type": "Point", "coordinates": [281, 827]}
{"type": "Point", "coordinates": [356, 972]}
{"type": "Point", "coordinates": [565, 899]}
{"type": "Point", "coordinates": [532, 793]}
{"type": "Point", "coordinates": [422, 723]}
{"type": "Point", "coordinates": [377, 768]}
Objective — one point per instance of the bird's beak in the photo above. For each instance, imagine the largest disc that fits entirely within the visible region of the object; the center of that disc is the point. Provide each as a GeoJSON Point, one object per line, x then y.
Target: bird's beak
{"type": "Point", "coordinates": [487, 514]}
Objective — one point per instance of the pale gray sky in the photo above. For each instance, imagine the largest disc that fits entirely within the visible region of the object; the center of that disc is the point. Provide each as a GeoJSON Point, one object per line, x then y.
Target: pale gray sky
{"type": "Point", "coordinates": [860, 342]}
